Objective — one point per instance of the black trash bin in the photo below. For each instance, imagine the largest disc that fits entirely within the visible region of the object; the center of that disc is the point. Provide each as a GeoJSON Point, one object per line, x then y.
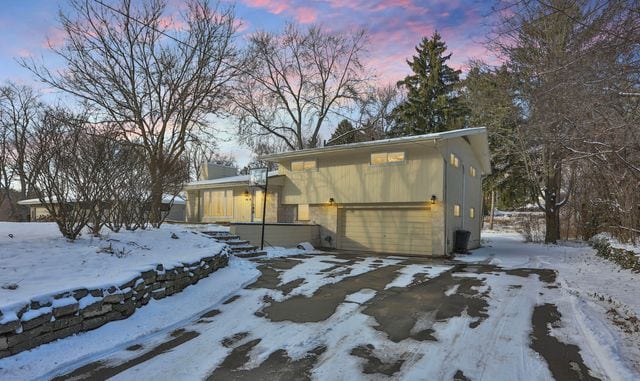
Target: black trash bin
{"type": "Point", "coordinates": [461, 243]}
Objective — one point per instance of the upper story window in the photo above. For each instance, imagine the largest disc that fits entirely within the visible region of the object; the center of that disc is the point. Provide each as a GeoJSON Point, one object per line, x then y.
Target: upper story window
{"type": "Point", "coordinates": [472, 213]}
{"type": "Point", "coordinates": [381, 158]}
{"type": "Point", "coordinates": [454, 161]}
{"type": "Point", "coordinates": [472, 171]}
{"type": "Point", "coordinates": [456, 210]}
{"type": "Point", "coordinates": [303, 165]}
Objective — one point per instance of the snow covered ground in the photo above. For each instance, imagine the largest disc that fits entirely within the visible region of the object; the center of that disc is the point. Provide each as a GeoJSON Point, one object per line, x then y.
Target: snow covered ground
{"type": "Point", "coordinates": [40, 262]}
{"type": "Point", "coordinates": [599, 301]}
{"type": "Point", "coordinates": [342, 317]}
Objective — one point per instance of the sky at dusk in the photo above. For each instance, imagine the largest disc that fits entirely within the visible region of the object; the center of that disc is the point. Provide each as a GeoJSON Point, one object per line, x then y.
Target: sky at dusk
{"type": "Point", "coordinates": [395, 27]}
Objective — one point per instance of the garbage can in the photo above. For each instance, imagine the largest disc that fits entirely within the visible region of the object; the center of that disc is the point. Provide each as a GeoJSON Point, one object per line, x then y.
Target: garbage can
{"type": "Point", "coordinates": [461, 239]}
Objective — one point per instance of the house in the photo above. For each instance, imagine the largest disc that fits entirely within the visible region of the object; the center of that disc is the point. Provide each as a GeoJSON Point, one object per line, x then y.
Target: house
{"type": "Point", "coordinates": [405, 195]}
{"type": "Point", "coordinates": [174, 207]}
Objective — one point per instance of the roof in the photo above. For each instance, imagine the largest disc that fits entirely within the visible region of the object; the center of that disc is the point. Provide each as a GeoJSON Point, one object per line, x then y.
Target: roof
{"type": "Point", "coordinates": [229, 180]}
{"type": "Point", "coordinates": [476, 136]}
{"type": "Point", "coordinates": [166, 199]}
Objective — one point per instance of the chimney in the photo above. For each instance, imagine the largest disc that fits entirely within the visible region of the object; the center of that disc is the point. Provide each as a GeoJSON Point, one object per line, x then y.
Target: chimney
{"type": "Point", "coordinates": [210, 171]}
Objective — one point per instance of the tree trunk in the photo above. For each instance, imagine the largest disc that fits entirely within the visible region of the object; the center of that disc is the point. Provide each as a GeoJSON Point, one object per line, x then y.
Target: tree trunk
{"type": "Point", "coordinates": [552, 224]}
{"type": "Point", "coordinates": [155, 199]}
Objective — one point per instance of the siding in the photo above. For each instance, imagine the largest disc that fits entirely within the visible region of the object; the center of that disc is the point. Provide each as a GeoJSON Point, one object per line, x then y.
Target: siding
{"type": "Point", "coordinates": [327, 217]}
{"type": "Point", "coordinates": [459, 181]}
{"type": "Point", "coordinates": [347, 177]}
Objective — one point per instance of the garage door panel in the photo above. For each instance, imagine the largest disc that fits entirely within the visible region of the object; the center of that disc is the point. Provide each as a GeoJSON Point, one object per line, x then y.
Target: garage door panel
{"type": "Point", "coordinates": [386, 230]}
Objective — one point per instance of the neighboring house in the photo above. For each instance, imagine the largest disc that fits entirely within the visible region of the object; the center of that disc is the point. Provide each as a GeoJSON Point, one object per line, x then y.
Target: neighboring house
{"type": "Point", "coordinates": [406, 195]}
{"type": "Point", "coordinates": [176, 210]}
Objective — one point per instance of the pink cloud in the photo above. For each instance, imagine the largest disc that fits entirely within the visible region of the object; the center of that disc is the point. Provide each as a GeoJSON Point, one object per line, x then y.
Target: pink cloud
{"type": "Point", "coordinates": [55, 38]}
{"type": "Point", "coordinates": [305, 15]}
{"type": "Point", "coordinates": [24, 53]}
{"type": "Point", "coordinates": [377, 6]}
{"type": "Point", "coordinates": [171, 23]}
{"type": "Point", "coordinates": [272, 6]}
{"type": "Point", "coordinates": [241, 25]}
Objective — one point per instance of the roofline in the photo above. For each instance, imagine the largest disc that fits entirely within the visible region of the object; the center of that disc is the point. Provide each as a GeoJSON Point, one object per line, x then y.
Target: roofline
{"type": "Point", "coordinates": [376, 143]}
{"type": "Point", "coordinates": [209, 184]}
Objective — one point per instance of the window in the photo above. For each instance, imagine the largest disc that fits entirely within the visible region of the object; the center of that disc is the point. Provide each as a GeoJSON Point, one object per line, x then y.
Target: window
{"type": "Point", "coordinates": [395, 157]}
{"type": "Point", "coordinates": [456, 210]}
{"type": "Point", "coordinates": [303, 165]}
{"type": "Point", "coordinates": [381, 158]}
{"type": "Point", "coordinates": [455, 162]}
{"type": "Point", "coordinates": [218, 203]}
{"type": "Point", "coordinates": [472, 213]}
{"type": "Point", "coordinates": [472, 172]}
{"type": "Point", "coordinates": [303, 212]}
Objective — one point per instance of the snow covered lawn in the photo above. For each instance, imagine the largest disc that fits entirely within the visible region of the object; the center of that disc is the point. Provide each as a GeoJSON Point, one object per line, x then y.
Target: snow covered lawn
{"type": "Point", "coordinates": [510, 310]}
{"type": "Point", "coordinates": [37, 262]}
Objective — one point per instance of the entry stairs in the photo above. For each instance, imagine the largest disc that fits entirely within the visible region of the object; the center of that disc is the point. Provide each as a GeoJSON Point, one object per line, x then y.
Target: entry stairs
{"type": "Point", "coordinates": [239, 247]}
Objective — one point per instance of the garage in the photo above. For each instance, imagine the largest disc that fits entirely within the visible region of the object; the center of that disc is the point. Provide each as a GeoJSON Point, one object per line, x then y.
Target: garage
{"type": "Point", "coordinates": [404, 230]}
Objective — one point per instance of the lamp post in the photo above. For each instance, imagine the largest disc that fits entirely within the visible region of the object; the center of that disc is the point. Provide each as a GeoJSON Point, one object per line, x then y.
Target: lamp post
{"type": "Point", "coordinates": [259, 177]}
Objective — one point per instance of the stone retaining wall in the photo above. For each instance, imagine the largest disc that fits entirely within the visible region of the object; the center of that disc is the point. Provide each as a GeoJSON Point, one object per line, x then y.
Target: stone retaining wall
{"type": "Point", "coordinates": [625, 258]}
{"type": "Point", "coordinates": [80, 310]}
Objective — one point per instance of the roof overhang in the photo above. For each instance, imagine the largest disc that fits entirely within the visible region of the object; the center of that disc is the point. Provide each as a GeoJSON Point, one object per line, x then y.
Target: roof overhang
{"type": "Point", "coordinates": [476, 137]}
{"type": "Point", "coordinates": [230, 182]}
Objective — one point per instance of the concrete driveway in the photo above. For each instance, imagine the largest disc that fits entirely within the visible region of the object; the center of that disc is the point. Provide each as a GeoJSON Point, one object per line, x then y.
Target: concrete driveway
{"type": "Point", "coordinates": [349, 317]}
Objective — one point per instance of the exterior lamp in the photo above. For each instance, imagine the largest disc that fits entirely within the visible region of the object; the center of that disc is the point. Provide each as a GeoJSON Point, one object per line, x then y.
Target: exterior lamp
{"type": "Point", "coordinates": [247, 195]}
{"type": "Point", "coordinates": [433, 199]}
{"type": "Point", "coordinates": [331, 201]}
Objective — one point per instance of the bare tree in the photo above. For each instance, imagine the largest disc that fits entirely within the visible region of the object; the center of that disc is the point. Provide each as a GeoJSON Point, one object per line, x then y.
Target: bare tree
{"type": "Point", "coordinates": [294, 80]}
{"type": "Point", "coordinates": [375, 110]}
{"type": "Point", "coordinates": [19, 112]}
{"type": "Point", "coordinates": [198, 152]}
{"type": "Point", "coordinates": [59, 176]}
{"type": "Point", "coordinates": [155, 80]}
{"type": "Point", "coordinates": [572, 59]}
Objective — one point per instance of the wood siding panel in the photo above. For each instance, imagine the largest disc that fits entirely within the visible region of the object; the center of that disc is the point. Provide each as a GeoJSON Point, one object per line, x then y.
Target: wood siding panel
{"type": "Point", "coordinates": [349, 178]}
{"type": "Point", "coordinates": [464, 190]}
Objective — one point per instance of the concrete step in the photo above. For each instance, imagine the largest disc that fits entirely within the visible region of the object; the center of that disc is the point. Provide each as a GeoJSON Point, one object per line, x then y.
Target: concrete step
{"type": "Point", "coordinates": [222, 236]}
{"type": "Point", "coordinates": [242, 248]}
{"type": "Point", "coordinates": [253, 254]}
{"type": "Point", "coordinates": [237, 242]}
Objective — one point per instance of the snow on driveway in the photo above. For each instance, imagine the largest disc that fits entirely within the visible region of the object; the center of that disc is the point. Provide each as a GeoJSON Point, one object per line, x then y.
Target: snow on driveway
{"type": "Point", "coordinates": [508, 311]}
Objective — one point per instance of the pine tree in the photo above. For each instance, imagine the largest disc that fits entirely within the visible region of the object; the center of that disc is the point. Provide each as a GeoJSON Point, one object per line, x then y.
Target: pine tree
{"type": "Point", "coordinates": [345, 133]}
{"type": "Point", "coordinates": [432, 103]}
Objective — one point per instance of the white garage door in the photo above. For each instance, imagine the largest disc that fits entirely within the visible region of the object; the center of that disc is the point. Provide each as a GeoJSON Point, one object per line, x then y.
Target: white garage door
{"type": "Point", "coordinates": [401, 230]}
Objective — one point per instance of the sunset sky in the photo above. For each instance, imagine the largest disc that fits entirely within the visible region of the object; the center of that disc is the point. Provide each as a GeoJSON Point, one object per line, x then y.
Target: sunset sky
{"type": "Point", "coordinates": [394, 26]}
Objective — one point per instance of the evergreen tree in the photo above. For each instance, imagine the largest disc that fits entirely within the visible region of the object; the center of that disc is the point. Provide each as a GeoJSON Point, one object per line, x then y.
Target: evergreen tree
{"type": "Point", "coordinates": [489, 96]}
{"type": "Point", "coordinates": [432, 103]}
{"type": "Point", "coordinates": [345, 133]}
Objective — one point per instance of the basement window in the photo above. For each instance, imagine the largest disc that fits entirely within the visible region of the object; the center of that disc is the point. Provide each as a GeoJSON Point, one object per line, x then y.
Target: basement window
{"type": "Point", "coordinates": [303, 212]}
{"type": "Point", "coordinates": [472, 171]}
{"type": "Point", "coordinates": [472, 213]}
{"type": "Point", "coordinates": [303, 165]}
{"type": "Point", "coordinates": [454, 161]}
{"type": "Point", "coordinates": [382, 158]}
{"type": "Point", "coordinates": [456, 210]}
